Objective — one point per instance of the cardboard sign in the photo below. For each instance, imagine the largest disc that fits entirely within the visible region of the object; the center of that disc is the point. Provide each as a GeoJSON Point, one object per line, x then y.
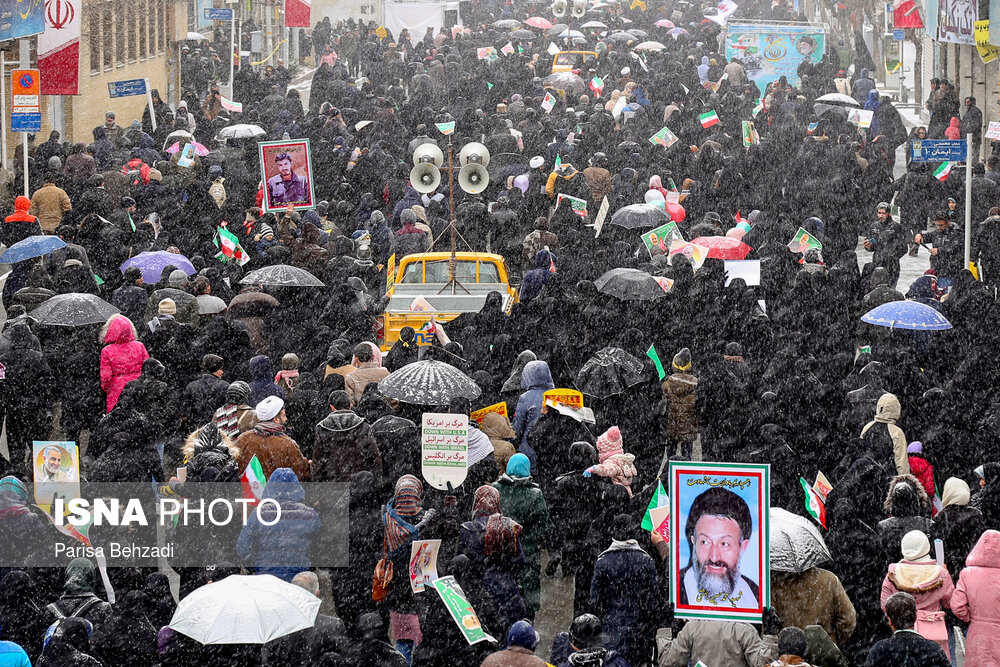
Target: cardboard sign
{"type": "Point", "coordinates": [187, 156]}
{"type": "Point", "coordinates": [421, 305]}
{"type": "Point", "coordinates": [390, 272]}
{"type": "Point", "coordinates": [822, 487]}
{"type": "Point", "coordinates": [499, 408]}
{"type": "Point", "coordinates": [444, 449]}
{"type": "Point", "coordinates": [461, 611]}
{"type": "Point", "coordinates": [602, 214]}
{"type": "Point", "coordinates": [548, 103]}
{"type": "Point", "coordinates": [993, 131]}
{"type": "Point", "coordinates": [487, 53]}
{"type": "Point", "coordinates": [750, 135]}
{"type": "Point", "coordinates": [747, 269]}
{"type": "Point", "coordinates": [860, 117]}
{"type": "Point", "coordinates": [696, 253]}
{"type": "Point", "coordinates": [661, 238]}
{"type": "Point", "coordinates": [569, 397]}
{"type": "Point", "coordinates": [981, 31]}
{"type": "Point", "coordinates": [56, 468]}
{"type": "Point", "coordinates": [423, 564]}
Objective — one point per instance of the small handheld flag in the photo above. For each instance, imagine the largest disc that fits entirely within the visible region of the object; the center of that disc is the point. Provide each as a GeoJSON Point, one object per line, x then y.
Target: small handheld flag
{"type": "Point", "coordinates": [253, 480]}
{"type": "Point", "coordinates": [814, 504]}
{"type": "Point", "coordinates": [658, 500]}
{"type": "Point", "coordinates": [941, 173]}
{"type": "Point", "coordinates": [708, 119]}
{"type": "Point", "coordinates": [597, 85]}
{"type": "Point", "coordinates": [651, 353]}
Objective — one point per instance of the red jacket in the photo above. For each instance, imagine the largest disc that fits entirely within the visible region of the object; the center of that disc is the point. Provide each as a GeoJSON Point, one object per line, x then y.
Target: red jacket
{"type": "Point", "coordinates": [924, 472]}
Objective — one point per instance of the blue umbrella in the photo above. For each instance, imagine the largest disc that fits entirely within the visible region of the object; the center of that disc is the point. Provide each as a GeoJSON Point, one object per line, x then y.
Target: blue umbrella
{"type": "Point", "coordinates": [33, 246]}
{"type": "Point", "coordinates": [907, 315]}
{"type": "Point", "coordinates": [152, 263]}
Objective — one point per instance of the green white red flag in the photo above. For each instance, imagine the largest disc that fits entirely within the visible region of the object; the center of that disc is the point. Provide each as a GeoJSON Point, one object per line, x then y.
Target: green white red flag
{"type": "Point", "coordinates": [253, 480]}
{"type": "Point", "coordinates": [708, 119]}
{"type": "Point", "coordinates": [229, 247]}
{"type": "Point", "coordinates": [941, 173]}
{"type": "Point", "coordinates": [814, 504]}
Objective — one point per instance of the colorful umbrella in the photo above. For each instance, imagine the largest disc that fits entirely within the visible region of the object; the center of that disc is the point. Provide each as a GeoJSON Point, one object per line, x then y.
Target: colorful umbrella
{"type": "Point", "coordinates": [723, 247]}
{"type": "Point", "coordinates": [664, 23]}
{"type": "Point", "coordinates": [907, 315]}
{"type": "Point", "coordinates": [539, 22]}
{"type": "Point", "coordinates": [198, 148]}
{"type": "Point", "coordinates": [152, 264]}
{"type": "Point", "coordinates": [677, 32]}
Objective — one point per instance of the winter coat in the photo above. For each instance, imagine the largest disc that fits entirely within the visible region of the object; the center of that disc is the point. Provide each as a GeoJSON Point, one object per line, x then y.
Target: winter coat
{"type": "Point", "coordinates": [273, 450]}
{"type": "Point", "coordinates": [121, 359]}
{"type": "Point", "coordinates": [344, 446]}
{"type": "Point", "coordinates": [358, 379]}
{"type": "Point", "coordinates": [923, 471]}
{"type": "Point", "coordinates": [906, 648]}
{"type": "Point", "coordinates": [78, 598]}
{"type": "Point", "coordinates": [958, 527]}
{"type": "Point", "coordinates": [814, 597]}
{"type": "Point", "coordinates": [717, 643]}
{"type": "Point", "coordinates": [19, 225]}
{"type": "Point", "coordinates": [522, 501]}
{"type": "Point", "coordinates": [200, 399]}
{"type": "Point", "coordinates": [549, 442]}
{"type": "Point", "coordinates": [12, 655]}
{"type": "Point", "coordinates": [262, 385]}
{"type": "Point", "coordinates": [907, 507]}
{"type": "Point", "coordinates": [398, 442]}
{"type": "Point", "coordinates": [497, 572]}
{"type": "Point", "coordinates": [49, 203]}
{"type": "Point", "coordinates": [281, 549]}
{"type": "Point", "coordinates": [680, 396]}
{"type": "Point", "coordinates": [306, 647]}
{"type": "Point", "coordinates": [515, 656]}
{"type": "Point", "coordinates": [820, 649]}
{"type": "Point", "coordinates": [625, 594]}
{"type": "Point", "coordinates": [130, 300]}
{"type": "Point", "coordinates": [928, 583]}
{"type": "Point", "coordinates": [535, 380]}
{"type": "Point", "coordinates": [498, 429]}
{"type": "Point", "coordinates": [977, 601]}
{"type": "Point", "coordinates": [372, 653]}
{"type": "Point", "coordinates": [883, 439]}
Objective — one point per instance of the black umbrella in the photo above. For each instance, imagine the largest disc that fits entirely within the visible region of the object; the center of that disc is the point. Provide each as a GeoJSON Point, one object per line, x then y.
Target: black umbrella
{"type": "Point", "coordinates": [629, 285]}
{"type": "Point", "coordinates": [252, 304]}
{"type": "Point", "coordinates": [640, 216]}
{"type": "Point", "coordinates": [522, 34]}
{"type": "Point", "coordinates": [428, 382]}
{"type": "Point", "coordinates": [73, 310]}
{"type": "Point", "coordinates": [621, 37]}
{"type": "Point", "coordinates": [609, 372]}
{"type": "Point", "coordinates": [556, 30]}
{"type": "Point", "coordinates": [282, 274]}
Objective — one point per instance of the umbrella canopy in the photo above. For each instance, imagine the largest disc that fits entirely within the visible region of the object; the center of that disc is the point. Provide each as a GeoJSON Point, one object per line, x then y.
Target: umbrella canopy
{"type": "Point", "coordinates": [629, 285]}
{"type": "Point", "coordinates": [556, 29]}
{"type": "Point", "coordinates": [73, 310]}
{"type": "Point", "coordinates": [723, 247]}
{"type": "Point", "coordinates": [522, 34]}
{"type": "Point", "coordinates": [197, 36]}
{"type": "Point", "coordinates": [839, 99]}
{"type": "Point", "coordinates": [33, 246]}
{"type": "Point", "coordinates": [594, 24]}
{"type": "Point", "coordinates": [152, 264]}
{"type": "Point", "coordinates": [428, 382]}
{"type": "Point", "coordinates": [796, 544]}
{"type": "Point", "coordinates": [639, 34]}
{"type": "Point", "coordinates": [677, 32]}
{"type": "Point", "coordinates": [639, 216]}
{"type": "Point", "coordinates": [241, 131]}
{"type": "Point", "coordinates": [598, 6]}
{"type": "Point", "coordinates": [566, 81]}
{"type": "Point", "coordinates": [609, 372]}
{"type": "Point", "coordinates": [539, 22]}
{"type": "Point", "coordinates": [664, 23]}
{"type": "Point", "coordinates": [821, 108]}
{"type": "Point", "coordinates": [252, 304]}
{"type": "Point", "coordinates": [283, 275]}
{"type": "Point", "coordinates": [907, 315]}
{"type": "Point", "coordinates": [178, 135]}
{"type": "Point", "coordinates": [507, 24]}
{"type": "Point", "coordinates": [574, 34]}
{"type": "Point", "coordinates": [198, 148]}
{"type": "Point", "coordinates": [650, 46]}
{"type": "Point", "coordinates": [245, 609]}
{"type": "Point", "coordinates": [621, 37]}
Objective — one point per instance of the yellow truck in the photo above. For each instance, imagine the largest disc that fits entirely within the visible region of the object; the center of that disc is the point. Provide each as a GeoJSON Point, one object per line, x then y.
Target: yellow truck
{"type": "Point", "coordinates": [567, 61]}
{"type": "Point", "coordinates": [420, 281]}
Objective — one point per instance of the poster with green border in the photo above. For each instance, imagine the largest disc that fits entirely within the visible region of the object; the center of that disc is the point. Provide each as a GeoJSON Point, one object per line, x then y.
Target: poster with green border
{"type": "Point", "coordinates": [661, 237]}
{"type": "Point", "coordinates": [461, 611]}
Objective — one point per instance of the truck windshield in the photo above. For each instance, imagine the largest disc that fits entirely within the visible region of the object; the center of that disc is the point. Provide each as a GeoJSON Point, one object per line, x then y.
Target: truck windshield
{"type": "Point", "coordinates": [437, 272]}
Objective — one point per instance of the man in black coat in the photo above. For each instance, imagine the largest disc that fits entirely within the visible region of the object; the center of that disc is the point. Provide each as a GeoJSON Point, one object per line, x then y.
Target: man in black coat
{"type": "Point", "coordinates": [906, 648]}
{"type": "Point", "coordinates": [202, 397]}
{"type": "Point", "coordinates": [131, 297]}
{"type": "Point", "coordinates": [371, 650]}
{"type": "Point", "coordinates": [307, 647]}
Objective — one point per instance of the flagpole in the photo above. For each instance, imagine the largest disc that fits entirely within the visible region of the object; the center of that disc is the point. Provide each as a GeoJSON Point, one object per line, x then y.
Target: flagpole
{"type": "Point", "coordinates": [968, 200]}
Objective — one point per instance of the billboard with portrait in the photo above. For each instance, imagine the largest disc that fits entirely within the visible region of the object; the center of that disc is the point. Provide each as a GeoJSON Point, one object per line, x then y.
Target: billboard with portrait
{"type": "Point", "coordinates": [286, 170]}
{"type": "Point", "coordinates": [719, 540]}
{"type": "Point", "coordinates": [770, 51]}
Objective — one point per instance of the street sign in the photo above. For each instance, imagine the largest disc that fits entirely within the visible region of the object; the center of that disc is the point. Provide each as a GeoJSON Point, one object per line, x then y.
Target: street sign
{"type": "Point", "coordinates": [938, 150]}
{"type": "Point", "coordinates": [898, 34]}
{"type": "Point", "coordinates": [25, 113]}
{"type": "Point", "coordinates": [127, 88]}
{"type": "Point", "coordinates": [22, 18]}
{"type": "Point", "coordinates": [218, 14]}
{"type": "Point", "coordinates": [26, 122]}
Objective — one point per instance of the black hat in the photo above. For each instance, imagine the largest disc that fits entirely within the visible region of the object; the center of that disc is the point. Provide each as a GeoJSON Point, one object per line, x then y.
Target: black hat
{"type": "Point", "coordinates": [587, 632]}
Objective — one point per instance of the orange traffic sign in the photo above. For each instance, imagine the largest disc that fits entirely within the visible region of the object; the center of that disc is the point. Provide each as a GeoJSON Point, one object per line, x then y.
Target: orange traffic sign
{"type": "Point", "coordinates": [24, 83]}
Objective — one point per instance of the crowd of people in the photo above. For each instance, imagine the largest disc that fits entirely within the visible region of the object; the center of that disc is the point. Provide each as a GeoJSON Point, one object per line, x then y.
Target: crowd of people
{"type": "Point", "coordinates": [202, 372]}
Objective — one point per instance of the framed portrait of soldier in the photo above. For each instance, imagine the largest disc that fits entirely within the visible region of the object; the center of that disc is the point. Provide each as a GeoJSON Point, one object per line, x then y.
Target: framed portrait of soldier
{"type": "Point", "coordinates": [286, 170]}
{"type": "Point", "coordinates": [719, 549]}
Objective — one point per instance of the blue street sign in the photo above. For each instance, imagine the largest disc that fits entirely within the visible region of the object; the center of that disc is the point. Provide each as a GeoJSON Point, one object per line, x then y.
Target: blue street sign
{"type": "Point", "coordinates": [23, 18]}
{"type": "Point", "coordinates": [898, 35]}
{"type": "Point", "coordinates": [26, 122]}
{"type": "Point", "coordinates": [938, 150]}
{"type": "Point", "coordinates": [218, 14]}
{"type": "Point", "coordinates": [127, 88]}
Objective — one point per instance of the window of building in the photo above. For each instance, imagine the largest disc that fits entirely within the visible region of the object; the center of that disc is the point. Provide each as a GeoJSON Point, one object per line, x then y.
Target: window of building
{"type": "Point", "coordinates": [143, 21]}
{"type": "Point", "coordinates": [107, 35]}
{"type": "Point", "coordinates": [94, 39]}
{"type": "Point", "coordinates": [132, 39]}
{"type": "Point", "coordinates": [161, 28]}
{"type": "Point", "coordinates": [121, 36]}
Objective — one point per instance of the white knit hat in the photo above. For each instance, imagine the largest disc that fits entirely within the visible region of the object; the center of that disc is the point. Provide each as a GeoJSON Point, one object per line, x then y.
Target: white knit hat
{"type": "Point", "coordinates": [269, 408]}
{"type": "Point", "coordinates": [915, 545]}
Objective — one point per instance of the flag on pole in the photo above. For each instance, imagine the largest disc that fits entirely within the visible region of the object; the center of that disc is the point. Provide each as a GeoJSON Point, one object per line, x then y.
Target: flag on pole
{"type": "Point", "coordinates": [253, 480]}
{"type": "Point", "coordinates": [229, 247]}
{"type": "Point", "coordinates": [230, 105]}
{"type": "Point", "coordinates": [814, 504]}
{"type": "Point", "coordinates": [941, 173]}
{"type": "Point", "coordinates": [757, 108]}
{"type": "Point", "coordinates": [58, 47]}
{"type": "Point", "coordinates": [709, 118]}
{"type": "Point", "coordinates": [651, 353]}
{"type": "Point", "coordinates": [658, 500]}
{"type": "Point", "coordinates": [548, 103]}
{"type": "Point", "coordinates": [597, 85]}
{"type": "Point", "coordinates": [445, 128]}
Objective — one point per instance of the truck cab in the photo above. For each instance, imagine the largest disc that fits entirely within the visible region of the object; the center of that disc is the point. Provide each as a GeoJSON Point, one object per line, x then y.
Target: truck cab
{"type": "Point", "coordinates": [567, 61]}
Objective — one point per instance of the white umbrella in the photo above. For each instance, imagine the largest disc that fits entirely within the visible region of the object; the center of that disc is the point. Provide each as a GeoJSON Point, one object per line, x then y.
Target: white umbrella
{"type": "Point", "coordinates": [241, 131]}
{"type": "Point", "coordinates": [650, 46]}
{"type": "Point", "coordinates": [574, 34]}
{"type": "Point", "coordinates": [594, 24]}
{"type": "Point", "coordinates": [244, 609]}
{"type": "Point", "coordinates": [196, 36]}
{"type": "Point", "coordinates": [177, 135]}
{"type": "Point", "coordinates": [838, 99]}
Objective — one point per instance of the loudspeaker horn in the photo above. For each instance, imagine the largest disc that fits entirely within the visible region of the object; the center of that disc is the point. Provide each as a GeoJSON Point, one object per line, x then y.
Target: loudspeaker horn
{"type": "Point", "coordinates": [474, 178]}
{"type": "Point", "coordinates": [579, 8]}
{"type": "Point", "coordinates": [559, 8]}
{"type": "Point", "coordinates": [474, 153]}
{"type": "Point", "coordinates": [426, 153]}
{"type": "Point", "coordinates": [425, 178]}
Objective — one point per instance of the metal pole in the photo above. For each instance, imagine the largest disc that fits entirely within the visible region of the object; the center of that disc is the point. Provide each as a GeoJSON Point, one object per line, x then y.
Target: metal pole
{"type": "Point", "coordinates": [451, 206]}
{"type": "Point", "coordinates": [232, 47]}
{"type": "Point", "coordinates": [3, 110]}
{"type": "Point", "coordinates": [968, 200]}
{"type": "Point", "coordinates": [149, 100]}
{"type": "Point", "coordinates": [24, 151]}
{"type": "Point", "coordinates": [24, 52]}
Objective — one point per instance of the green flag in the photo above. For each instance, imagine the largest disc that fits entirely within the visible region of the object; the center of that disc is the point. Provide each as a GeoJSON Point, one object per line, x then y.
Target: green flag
{"type": "Point", "coordinates": [658, 500]}
{"type": "Point", "coordinates": [651, 353]}
{"type": "Point", "coordinates": [489, 86]}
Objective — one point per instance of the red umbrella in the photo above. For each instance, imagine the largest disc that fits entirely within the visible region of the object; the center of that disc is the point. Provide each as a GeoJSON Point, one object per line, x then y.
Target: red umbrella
{"type": "Point", "coordinates": [539, 22]}
{"type": "Point", "coordinates": [723, 247]}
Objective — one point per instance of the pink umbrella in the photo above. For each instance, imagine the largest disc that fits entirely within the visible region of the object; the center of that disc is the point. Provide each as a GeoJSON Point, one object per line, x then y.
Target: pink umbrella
{"type": "Point", "coordinates": [198, 148]}
{"type": "Point", "coordinates": [723, 247]}
{"type": "Point", "coordinates": [538, 22]}
{"type": "Point", "coordinates": [664, 23]}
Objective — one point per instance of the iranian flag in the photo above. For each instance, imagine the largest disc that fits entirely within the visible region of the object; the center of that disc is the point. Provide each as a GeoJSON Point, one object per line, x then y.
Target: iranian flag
{"type": "Point", "coordinates": [658, 500]}
{"type": "Point", "coordinates": [597, 85]}
{"type": "Point", "coordinates": [297, 13]}
{"type": "Point", "coordinates": [59, 48]}
{"type": "Point", "coordinates": [253, 480]}
{"type": "Point", "coordinates": [941, 173]}
{"type": "Point", "coordinates": [709, 118]}
{"type": "Point", "coordinates": [229, 247]}
{"type": "Point", "coordinates": [814, 504]}
{"type": "Point", "coordinates": [757, 108]}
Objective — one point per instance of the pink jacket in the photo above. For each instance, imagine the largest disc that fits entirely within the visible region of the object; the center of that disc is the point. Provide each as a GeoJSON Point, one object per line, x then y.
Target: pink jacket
{"type": "Point", "coordinates": [977, 601]}
{"type": "Point", "coordinates": [929, 584]}
{"type": "Point", "coordinates": [121, 358]}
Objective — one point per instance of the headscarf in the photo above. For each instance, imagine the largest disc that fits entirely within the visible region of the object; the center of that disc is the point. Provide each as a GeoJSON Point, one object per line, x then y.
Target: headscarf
{"type": "Point", "coordinates": [13, 497]}
{"type": "Point", "coordinates": [956, 492]}
{"type": "Point", "coordinates": [405, 504]}
{"type": "Point", "coordinates": [485, 502]}
{"type": "Point", "coordinates": [519, 466]}
{"type": "Point", "coordinates": [501, 536]}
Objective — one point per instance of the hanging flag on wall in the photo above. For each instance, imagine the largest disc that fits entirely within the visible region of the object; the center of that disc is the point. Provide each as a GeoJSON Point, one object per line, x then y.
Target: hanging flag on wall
{"type": "Point", "coordinates": [297, 14]}
{"type": "Point", "coordinates": [59, 48]}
